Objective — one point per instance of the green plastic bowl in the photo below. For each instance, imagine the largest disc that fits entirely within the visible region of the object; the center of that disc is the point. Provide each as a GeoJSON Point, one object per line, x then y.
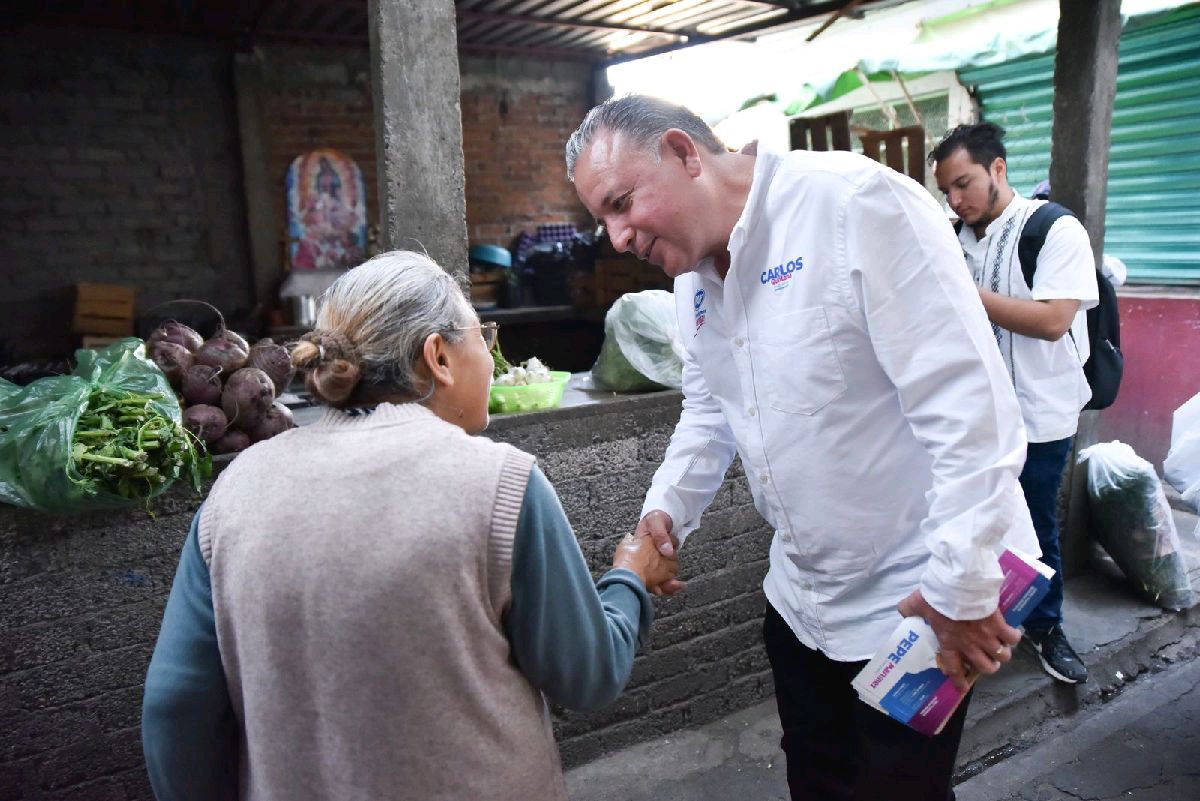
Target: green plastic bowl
{"type": "Point", "coordinates": [530, 397]}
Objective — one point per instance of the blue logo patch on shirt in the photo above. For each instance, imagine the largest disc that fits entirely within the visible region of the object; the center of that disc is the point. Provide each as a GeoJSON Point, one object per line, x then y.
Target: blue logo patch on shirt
{"type": "Point", "coordinates": [698, 306]}
{"type": "Point", "coordinates": [780, 276]}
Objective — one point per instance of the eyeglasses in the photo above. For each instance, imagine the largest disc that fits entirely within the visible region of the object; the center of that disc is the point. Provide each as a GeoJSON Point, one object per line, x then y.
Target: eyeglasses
{"type": "Point", "coordinates": [489, 332]}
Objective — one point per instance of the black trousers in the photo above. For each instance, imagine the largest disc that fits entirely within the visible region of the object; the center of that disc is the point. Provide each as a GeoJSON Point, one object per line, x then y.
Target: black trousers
{"type": "Point", "coordinates": [837, 747]}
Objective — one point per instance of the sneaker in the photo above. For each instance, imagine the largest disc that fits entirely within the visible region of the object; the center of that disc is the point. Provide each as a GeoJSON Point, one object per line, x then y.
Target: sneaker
{"type": "Point", "coordinates": [1057, 656]}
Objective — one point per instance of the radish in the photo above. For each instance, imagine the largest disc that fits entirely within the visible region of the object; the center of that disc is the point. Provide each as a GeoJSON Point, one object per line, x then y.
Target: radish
{"type": "Point", "coordinates": [173, 359]}
{"type": "Point", "coordinates": [223, 353]}
{"type": "Point", "coordinates": [177, 332]}
{"type": "Point", "coordinates": [202, 385]}
{"type": "Point", "coordinates": [275, 420]}
{"type": "Point", "coordinates": [206, 422]}
{"type": "Point", "coordinates": [275, 361]}
{"type": "Point", "coordinates": [248, 394]}
{"type": "Point", "coordinates": [233, 442]}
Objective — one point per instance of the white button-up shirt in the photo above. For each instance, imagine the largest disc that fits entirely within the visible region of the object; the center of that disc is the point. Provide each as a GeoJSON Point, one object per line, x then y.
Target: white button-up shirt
{"type": "Point", "coordinates": [1048, 376]}
{"type": "Point", "coordinates": [847, 359]}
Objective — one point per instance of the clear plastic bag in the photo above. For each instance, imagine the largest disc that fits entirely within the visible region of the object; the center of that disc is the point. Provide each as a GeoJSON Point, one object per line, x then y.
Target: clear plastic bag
{"type": "Point", "coordinates": [642, 350]}
{"type": "Point", "coordinates": [1132, 521]}
{"type": "Point", "coordinates": [1182, 466]}
{"type": "Point", "coordinates": [39, 448]}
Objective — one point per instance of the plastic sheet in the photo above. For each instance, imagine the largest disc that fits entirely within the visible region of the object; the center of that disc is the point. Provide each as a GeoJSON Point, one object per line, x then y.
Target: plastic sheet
{"type": "Point", "coordinates": [38, 427]}
{"type": "Point", "coordinates": [642, 350]}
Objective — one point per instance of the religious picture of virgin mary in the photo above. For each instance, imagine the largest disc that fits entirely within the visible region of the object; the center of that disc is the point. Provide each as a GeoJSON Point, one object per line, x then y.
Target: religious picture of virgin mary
{"type": "Point", "coordinates": [327, 216]}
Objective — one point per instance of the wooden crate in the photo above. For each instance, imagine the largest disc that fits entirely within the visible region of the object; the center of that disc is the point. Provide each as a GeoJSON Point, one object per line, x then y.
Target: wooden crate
{"type": "Point", "coordinates": [93, 342]}
{"type": "Point", "coordinates": [104, 309]}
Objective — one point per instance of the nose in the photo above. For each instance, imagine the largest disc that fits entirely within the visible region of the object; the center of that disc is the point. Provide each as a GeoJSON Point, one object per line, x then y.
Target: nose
{"type": "Point", "coordinates": [953, 197]}
{"type": "Point", "coordinates": [621, 236]}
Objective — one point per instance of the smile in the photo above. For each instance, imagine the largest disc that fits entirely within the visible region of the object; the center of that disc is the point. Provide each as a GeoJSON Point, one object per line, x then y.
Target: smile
{"type": "Point", "coordinates": [645, 255]}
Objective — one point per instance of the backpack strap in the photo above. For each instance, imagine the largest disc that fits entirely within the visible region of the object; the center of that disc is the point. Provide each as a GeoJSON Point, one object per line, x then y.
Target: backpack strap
{"type": "Point", "coordinates": [1033, 236]}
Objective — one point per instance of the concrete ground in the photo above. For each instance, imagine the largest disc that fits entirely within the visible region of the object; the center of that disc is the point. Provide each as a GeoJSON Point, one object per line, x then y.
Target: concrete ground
{"type": "Point", "coordinates": [1018, 718]}
{"type": "Point", "coordinates": [1142, 745]}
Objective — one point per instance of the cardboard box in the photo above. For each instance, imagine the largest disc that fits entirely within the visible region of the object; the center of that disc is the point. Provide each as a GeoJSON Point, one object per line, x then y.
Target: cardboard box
{"type": "Point", "coordinates": [904, 679]}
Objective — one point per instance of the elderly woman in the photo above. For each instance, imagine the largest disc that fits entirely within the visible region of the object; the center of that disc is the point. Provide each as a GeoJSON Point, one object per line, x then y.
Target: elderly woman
{"type": "Point", "coordinates": [374, 606]}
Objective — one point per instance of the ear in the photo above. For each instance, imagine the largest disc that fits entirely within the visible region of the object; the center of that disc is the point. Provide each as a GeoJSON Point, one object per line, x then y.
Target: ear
{"type": "Point", "coordinates": [434, 363]}
{"type": "Point", "coordinates": [999, 169]}
{"type": "Point", "coordinates": [676, 144]}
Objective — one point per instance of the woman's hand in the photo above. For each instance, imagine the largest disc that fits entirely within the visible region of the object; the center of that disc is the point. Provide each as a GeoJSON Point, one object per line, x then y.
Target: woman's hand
{"type": "Point", "coordinates": [639, 554]}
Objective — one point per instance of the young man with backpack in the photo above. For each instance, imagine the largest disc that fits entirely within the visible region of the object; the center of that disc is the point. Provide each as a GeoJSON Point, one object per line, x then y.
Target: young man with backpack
{"type": "Point", "coordinates": [1038, 319]}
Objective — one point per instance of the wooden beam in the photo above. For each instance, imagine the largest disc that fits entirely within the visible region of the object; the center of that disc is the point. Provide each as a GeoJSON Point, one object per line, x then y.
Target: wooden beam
{"type": "Point", "coordinates": [834, 17]}
{"type": "Point", "coordinates": [560, 22]}
{"type": "Point", "coordinates": [809, 11]}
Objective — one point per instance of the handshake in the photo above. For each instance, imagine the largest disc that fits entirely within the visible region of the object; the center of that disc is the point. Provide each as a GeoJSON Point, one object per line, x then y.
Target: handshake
{"type": "Point", "coordinates": [643, 553]}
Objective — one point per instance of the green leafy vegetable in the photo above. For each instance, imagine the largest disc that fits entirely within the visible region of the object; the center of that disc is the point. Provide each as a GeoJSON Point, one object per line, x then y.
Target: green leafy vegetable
{"type": "Point", "coordinates": [108, 436]}
{"type": "Point", "coordinates": [125, 446]}
{"type": "Point", "coordinates": [500, 364]}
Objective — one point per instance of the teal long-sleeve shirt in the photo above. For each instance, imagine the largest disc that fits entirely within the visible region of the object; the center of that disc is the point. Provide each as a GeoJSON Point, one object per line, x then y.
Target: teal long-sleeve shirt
{"type": "Point", "coordinates": [574, 641]}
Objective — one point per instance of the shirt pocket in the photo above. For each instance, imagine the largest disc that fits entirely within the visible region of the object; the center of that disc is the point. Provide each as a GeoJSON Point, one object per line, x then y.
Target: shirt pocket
{"type": "Point", "coordinates": [802, 372]}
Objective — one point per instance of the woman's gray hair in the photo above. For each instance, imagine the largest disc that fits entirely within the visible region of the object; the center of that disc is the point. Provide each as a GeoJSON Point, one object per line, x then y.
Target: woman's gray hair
{"type": "Point", "coordinates": [643, 120]}
{"type": "Point", "coordinates": [385, 308]}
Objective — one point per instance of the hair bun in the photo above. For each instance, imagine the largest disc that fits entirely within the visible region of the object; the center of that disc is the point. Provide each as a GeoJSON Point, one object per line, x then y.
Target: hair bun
{"type": "Point", "coordinates": [332, 364]}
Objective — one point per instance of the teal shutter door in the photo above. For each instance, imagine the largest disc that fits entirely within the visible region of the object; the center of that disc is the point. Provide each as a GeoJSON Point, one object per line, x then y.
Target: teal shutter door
{"type": "Point", "coordinates": [1153, 211]}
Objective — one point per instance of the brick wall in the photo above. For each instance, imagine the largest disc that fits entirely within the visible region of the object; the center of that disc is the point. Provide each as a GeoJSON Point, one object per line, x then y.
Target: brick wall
{"type": "Point", "coordinates": [317, 98]}
{"type": "Point", "coordinates": [120, 165]}
{"type": "Point", "coordinates": [123, 162]}
{"type": "Point", "coordinates": [83, 600]}
{"type": "Point", "coordinates": [517, 115]}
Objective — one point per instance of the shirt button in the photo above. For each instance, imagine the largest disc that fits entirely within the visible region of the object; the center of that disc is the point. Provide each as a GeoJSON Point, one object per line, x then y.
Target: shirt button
{"type": "Point", "coordinates": [764, 477]}
{"type": "Point", "coordinates": [751, 411]}
{"type": "Point", "coordinates": [739, 342]}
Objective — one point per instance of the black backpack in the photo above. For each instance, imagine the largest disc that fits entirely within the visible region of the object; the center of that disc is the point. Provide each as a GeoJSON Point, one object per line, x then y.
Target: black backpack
{"type": "Point", "coordinates": [1105, 363]}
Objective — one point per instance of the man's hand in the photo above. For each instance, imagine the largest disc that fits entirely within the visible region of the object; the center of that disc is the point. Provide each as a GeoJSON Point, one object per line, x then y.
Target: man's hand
{"type": "Point", "coordinates": [656, 525]}
{"type": "Point", "coordinates": [967, 647]}
{"type": "Point", "coordinates": [639, 555]}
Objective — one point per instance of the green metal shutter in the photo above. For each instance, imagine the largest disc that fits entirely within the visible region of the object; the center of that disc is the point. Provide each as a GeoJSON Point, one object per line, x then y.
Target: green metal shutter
{"type": "Point", "coordinates": [1153, 212]}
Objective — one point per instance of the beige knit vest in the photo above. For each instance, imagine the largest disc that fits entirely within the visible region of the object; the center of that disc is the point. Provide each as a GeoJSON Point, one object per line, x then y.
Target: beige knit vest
{"type": "Point", "coordinates": [360, 567]}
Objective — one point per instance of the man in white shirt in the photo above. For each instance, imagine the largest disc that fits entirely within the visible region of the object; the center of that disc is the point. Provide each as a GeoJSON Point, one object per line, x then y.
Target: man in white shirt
{"type": "Point", "coordinates": [1040, 326]}
{"type": "Point", "coordinates": [835, 343]}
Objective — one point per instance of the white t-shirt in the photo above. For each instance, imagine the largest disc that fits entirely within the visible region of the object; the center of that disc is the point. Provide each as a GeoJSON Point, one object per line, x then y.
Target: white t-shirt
{"type": "Point", "coordinates": [847, 360]}
{"type": "Point", "coordinates": [1047, 376]}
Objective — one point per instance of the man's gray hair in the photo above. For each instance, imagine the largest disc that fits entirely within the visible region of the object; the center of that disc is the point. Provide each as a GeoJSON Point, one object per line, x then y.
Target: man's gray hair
{"type": "Point", "coordinates": [386, 307]}
{"type": "Point", "coordinates": [642, 120]}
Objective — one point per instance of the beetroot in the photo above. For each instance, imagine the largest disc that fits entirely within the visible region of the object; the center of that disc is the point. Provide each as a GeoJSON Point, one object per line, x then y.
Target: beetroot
{"type": "Point", "coordinates": [206, 422]}
{"type": "Point", "coordinates": [233, 442]}
{"type": "Point", "coordinates": [178, 333]}
{"type": "Point", "coordinates": [275, 361]}
{"type": "Point", "coordinates": [223, 353]}
{"type": "Point", "coordinates": [173, 359]}
{"type": "Point", "coordinates": [232, 336]}
{"type": "Point", "coordinates": [248, 394]}
{"type": "Point", "coordinates": [202, 385]}
{"type": "Point", "coordinates": [275, 420]}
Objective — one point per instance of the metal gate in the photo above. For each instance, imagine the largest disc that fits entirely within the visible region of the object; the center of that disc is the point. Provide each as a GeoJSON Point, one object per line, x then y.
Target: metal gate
{"type": "Point", "coordinates": [1153, 210]}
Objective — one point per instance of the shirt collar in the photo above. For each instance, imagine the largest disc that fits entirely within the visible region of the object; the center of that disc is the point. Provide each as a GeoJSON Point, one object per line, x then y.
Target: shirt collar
{"type": "Point", "coordinates": [1015, 206]}
{"type": "Point", "coordinates": [765, 165]}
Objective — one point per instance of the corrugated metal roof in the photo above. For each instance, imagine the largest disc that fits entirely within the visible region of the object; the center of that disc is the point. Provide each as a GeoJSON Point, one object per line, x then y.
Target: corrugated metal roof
{"type": "Point", "coordinates": [591, 30]}
{"type": "Point", "coordinates": [1152, 215]}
